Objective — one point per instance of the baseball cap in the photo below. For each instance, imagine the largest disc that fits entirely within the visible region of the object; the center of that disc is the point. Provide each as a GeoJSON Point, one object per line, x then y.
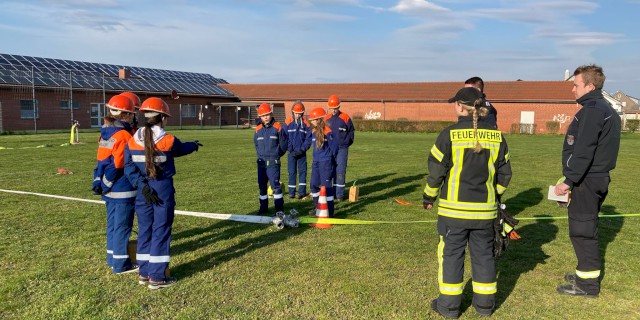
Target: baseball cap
{"type": "Point", "coordinates": [467, 96]}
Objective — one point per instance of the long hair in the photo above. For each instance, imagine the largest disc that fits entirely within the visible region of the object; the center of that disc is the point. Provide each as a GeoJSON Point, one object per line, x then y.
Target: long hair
{"type": "Point", "coordinates": [320, 134]}
{"type": "Point", "coordinates": [479, 109]}
{"type": "Point", "coordinates": [150, 152]}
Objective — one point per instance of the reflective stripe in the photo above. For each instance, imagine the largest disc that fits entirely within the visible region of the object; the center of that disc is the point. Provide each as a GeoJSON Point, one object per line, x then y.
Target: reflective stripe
{"type": "Point", "coordinates": [451, 289]}
{"type": "Point", "coordinates": [142, 158]}
{"type": "Point", "coordinates": [110, 251]}
{"type": "Point", "coordinates": [106, 182]}
{"type": "Point", "coordinates": [302, 184]}
{"type": "Point", "coordinates": [454, 178]}
{"type": "Point", "coordinates": [273, 137]}
{"type": "Point", "coordinates": [500, 189]}
{"type": "Point", "coordinates": [469, 215]}
{"type": "Point", "coordinates": [484, 288]}
{"type": "Point", "coordinates": [338, 185]}
{"type": "Point", "coordinates": [97, 179]}
{"type": "Point", "coordinates": [330, 198]}
{"type": "Point", "coordinates": [588, 274]}
{"type": "Point", "coordinates": [440, 254]}
{"type": "Point", "coordinates": [291, 186]}
{"type": "Point", "coordinates": [431, 192]}
{"type": "Point", "coordinates": [436, 153]}
{"type": "Point", "coordinates": [265, 197]}
{"type": "Point", "coordinates": [277, 196]}
{"type": "Point", "coordinates": [158, 259]}
{"type": "Point", "coordinates": [143, 256]}
{"type": "Point", "coordinates": [476, 206]}
{"type": "Point", "coordinates": [120, 256]}
{"type": "Point", "coordinates": [107, 144]}
{"type": "Point", "coordinates": [122, 194]}
{"type": "Point", "coordinates": [317, 194]}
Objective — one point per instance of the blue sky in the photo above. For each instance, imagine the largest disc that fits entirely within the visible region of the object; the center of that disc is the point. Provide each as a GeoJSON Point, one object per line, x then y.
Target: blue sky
{"type": "Point", "coordinates": [336, 41]}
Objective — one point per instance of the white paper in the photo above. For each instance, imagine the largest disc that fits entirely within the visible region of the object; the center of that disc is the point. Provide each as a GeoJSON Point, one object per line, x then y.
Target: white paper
{"type": "Point", "coordinates": [552, 195]}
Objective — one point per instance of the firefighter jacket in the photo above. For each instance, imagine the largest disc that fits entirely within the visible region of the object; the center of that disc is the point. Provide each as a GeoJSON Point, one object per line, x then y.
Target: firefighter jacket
{"type": "Point", "coordinates": [167, 147]}
{"type": "Point", "coordinates": [270, 140]}
{"type": "Point", "coordinates": [343, 128]}
{"type": "Point", "coordinates": [467, 183]}
{"type": "Point", "coordinates": [110, 167]}
{"type": "Point", "coordinates": [592, 141]}
{"type": "Point", "coordinates": [329, 149]}
{"type": "Point", "coordinates": [298, 135]}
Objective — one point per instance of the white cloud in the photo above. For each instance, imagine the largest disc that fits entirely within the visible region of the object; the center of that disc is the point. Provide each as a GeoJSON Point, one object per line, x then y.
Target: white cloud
{"type": "Point", "coordinates": [416, 6]}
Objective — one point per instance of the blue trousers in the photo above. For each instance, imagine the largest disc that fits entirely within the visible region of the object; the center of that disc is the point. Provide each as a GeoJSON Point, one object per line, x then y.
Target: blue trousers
{"type": "Point", "coordinates": [269, 172]}
{"type": "Point", "coordinates": [119, 224]}
{"type": "Point", "coordinates": [154, 235]}
{"type": "Point", "coordinates": [297, 168]}
{"type": "Point", "coordinates": [321, 174]}
{"type": "Point", "coordinates": [341, 171]}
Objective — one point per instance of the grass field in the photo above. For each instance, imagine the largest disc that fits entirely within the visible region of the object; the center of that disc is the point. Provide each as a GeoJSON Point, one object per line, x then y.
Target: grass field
{"type": "Point", "coordinates": [52, 263]}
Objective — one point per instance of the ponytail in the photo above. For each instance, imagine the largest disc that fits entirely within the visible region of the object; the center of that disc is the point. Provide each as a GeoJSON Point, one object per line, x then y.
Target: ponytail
{"type": "Point", "coordinates": [477, 110]}
{"type": "Point", "coordinates": [149, 146]}
{"type": "Point", "coordinates": [320, 134]}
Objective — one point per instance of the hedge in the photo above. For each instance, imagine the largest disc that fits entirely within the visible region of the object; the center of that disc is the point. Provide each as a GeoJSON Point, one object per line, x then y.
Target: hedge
{"type": "Point", "coordinates": [400, 125]}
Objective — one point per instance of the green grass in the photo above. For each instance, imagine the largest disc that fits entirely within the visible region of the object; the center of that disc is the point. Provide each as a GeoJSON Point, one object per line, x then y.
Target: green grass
{"type": "Point", "coordinates": [52, 262]}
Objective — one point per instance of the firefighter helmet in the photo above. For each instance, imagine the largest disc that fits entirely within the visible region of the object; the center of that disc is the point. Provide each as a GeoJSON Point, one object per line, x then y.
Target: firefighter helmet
{"type": "Point", "coordinates": [264, 109]}
{"type": "Point", "coordinates": [317, 113]}
{"type": "Point", "coordinates": [153, 106]}
{"type": "Point", "coordinates": [333, 102]}
{"type": "Point", "coordinates": [134, 97]}
{"type": "Point", "coordinates": [120, 104]}
{"type": "Point", "coordinates": [298, 107]}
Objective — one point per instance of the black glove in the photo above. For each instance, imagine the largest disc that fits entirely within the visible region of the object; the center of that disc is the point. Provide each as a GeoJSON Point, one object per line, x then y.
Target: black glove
{"type": "Point", "coordinates": [198, 144]}
{"type": "Point", "coordinates": [97, 188]}
{"type": "Point", "coordinates": [149, 195]}
{"type": "Point", "coordinates": [427, 202]}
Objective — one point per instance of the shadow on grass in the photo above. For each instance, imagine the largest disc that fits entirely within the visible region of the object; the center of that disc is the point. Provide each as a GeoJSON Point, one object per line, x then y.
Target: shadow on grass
{"type": "Point", "coordinates": [523, 255]}
{"type": "Point", "coordinates": [397, 187]}
{"type": "Point", "coordinates": [608, 229]}
{"type": "Point", "coordinates": [523, 200]}
{"type": "Point", "coordinates": [230, 229]}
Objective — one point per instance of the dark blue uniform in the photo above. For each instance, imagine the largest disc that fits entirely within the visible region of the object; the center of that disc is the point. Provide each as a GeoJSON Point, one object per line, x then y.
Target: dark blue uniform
{"type": "Point", "coordinates": [299, 140]}
{"type": "Point", "coordinates": [271, 144]}
{"type": "Point", "coordinates": [322, 167]}
{"type": "Point", "coordinates": [343, 130]}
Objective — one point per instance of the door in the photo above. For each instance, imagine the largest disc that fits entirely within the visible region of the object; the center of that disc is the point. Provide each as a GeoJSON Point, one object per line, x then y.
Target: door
{"type": "Point", "coordinates": [97, 113]}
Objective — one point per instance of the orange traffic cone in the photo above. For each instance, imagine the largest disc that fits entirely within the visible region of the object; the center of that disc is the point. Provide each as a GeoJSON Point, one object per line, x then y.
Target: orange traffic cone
{"type": "Point", "coordinates": [322, 209]}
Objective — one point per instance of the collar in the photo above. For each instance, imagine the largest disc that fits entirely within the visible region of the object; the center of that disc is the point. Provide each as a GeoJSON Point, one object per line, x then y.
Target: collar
{"type": "Point", "coordinates": [157, 131]}
{"type": "Point", "coordinates": [592, 95]}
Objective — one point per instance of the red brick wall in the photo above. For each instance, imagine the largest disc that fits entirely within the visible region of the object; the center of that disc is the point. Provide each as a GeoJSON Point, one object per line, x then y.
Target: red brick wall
{"type": "Point", "coordinates": [508, 113]}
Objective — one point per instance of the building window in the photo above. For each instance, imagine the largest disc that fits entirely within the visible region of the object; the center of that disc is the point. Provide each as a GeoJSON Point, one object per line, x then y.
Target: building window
{"type": "Point", "coordinates": [64, 105]}
{"type": "Point", "coordinates": [26, 109]}
{"type": "Point", "coordinates": [188, 111]}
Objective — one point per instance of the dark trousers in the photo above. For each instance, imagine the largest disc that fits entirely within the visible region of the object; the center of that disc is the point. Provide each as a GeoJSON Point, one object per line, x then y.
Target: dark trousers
{"type": "Point", "coordinates": [297, 167]}
{"type": "Point", "coordinates": [341, 171]}
{"type": "Point", "coordinates": [154, 237]}
{"type": "Point", "coordinates": [451, 254]}
{"type": "Point", "coordinates": [321, 174]}
{"type": "Point", "coordinates": [269, 172]}
{"type": "Point", "coordinates": [586, 201]}
{"type": "Point", "coordinates": [119, 224]}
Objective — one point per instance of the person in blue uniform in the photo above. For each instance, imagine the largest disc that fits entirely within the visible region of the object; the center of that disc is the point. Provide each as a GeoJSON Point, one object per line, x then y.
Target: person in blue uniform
{"type": "Point", "coordinates": [469, 171]}
{"type": "Point", "coordinates": [149, 165]}
{"type": "Point", "coordinates": [270, 141]}
{"type": "Point", "coordinates": [325, 149]}
{"type": "Point", "coordinates": [343, 129]}
{"type": "Point", "coordinates": [298, 132]}
{"type": "Point", "coordinates": [109, 182]}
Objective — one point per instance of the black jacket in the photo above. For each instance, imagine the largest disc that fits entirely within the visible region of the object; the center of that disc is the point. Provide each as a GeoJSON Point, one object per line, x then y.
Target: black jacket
{"type": "Point", "coordinates": [592, 141]}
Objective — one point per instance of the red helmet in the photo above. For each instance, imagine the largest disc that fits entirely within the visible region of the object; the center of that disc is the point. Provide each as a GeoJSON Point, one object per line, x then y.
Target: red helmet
{"type": "Point", "coordinates": [298, 107]}
{"type": "Point", "coordinates": [134, 97]}
{"type": "Point", "coordinates": [264, 109]}
{"type": "Point", "coordinates": [121, 103]}
{"type": "Point", "coordinates": [333, 102]}
{"type": "Point", "coordinates": [317, 113]}
{"type": "Point", "coordinates": [154, 104]}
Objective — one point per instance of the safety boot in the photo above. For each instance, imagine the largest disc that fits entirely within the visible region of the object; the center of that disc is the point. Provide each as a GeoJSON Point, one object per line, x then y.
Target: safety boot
{"type": "Point", "coordinates": [572, 289]}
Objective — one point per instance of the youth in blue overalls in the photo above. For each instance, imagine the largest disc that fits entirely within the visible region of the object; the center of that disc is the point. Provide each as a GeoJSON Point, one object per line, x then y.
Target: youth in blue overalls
{"type": "Point", "coordinates": [325, 149]}
{"type": "Point", "coordinates": [271, 144]}
{"type": "Point", "coordinates": [298, 132]}
{"type": "Point", "coordinates": [343, 129]}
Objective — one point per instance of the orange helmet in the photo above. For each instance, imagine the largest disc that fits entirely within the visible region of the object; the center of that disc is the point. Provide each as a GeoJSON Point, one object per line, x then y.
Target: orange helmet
{"type": "Point", "coordinates": [333, 102]}
{"type": "Point", "coordinates": [264, 109]}
{"type": "Point", "coordinates": [120, 104]}
{"type": "Point", "coordinates": [298, 107]}
{"type": "Point", "coordinates": [155, 105]}
{"type": "Point", "coordinates": [317, 113]}
{"type": "Point", "coordinates": [134, 97]}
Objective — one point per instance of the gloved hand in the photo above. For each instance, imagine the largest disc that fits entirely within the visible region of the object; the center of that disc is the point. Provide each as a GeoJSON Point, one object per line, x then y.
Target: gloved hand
{"type": "Point", "coordinates": [97, 188]}
{"type": "Point", "coordinates": [198, 144]}
{"type": "Point", "coordinates": [427, 202]}
{"type": "Point", "coordinates": [149, 195]}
